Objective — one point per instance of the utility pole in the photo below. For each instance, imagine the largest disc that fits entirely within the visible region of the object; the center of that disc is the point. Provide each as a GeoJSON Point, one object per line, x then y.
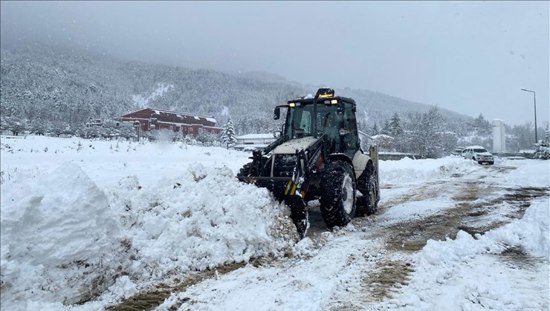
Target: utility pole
{"type": "Point", "coordinates": [535, 106]}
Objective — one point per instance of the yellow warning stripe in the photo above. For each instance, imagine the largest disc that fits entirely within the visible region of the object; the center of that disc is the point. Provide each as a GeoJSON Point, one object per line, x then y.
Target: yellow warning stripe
{"type": "Point", "coordinates": [294, 189]}
{"type": "Point", "coordinates": [288, 185]}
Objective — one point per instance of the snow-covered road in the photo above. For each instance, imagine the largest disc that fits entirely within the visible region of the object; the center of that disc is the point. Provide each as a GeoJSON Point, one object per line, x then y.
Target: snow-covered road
{"type": "Point", "coordinates": [167, 226]}
{"type": "Point", "coordinates": [382, 262]}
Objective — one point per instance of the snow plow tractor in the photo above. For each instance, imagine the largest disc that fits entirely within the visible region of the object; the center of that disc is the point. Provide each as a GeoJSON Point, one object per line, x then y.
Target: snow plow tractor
{"type": "Point", "coordinates": [318, 156]}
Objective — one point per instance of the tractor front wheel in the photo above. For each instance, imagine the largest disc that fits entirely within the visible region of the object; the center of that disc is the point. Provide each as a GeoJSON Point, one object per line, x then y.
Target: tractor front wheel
{"type": "Point", "coordinates": [338, 194]}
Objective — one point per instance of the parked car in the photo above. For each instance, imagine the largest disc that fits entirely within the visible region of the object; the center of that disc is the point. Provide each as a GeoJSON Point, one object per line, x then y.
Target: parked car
{"type": "Point", "coordinates": [479, 154]}
{"type": "Point", "coordinates": [457, 151]}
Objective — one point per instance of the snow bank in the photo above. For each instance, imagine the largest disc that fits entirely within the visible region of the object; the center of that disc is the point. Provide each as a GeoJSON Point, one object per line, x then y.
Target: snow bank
{"type": "Point", "coordinates": [534, 173]}
{"type": "Point", "coordinates": [64, 240]}
{"type": "Point", "coordinates": [531, 233]}
{"type": "Point", "coordinates": [60, 240]}
{"type": "Point", "coordinates": [106, 162]}
{"type": "Point", "coordinates": [470, 273]}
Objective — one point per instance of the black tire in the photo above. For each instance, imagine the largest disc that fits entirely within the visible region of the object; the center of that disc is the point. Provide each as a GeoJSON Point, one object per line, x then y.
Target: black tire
{"type": "Point", "coordinates": [491, 162]}
{"type": "Point", "coordinates": [244, 171]}
{"type": "Point", "coordinates": [368, 185]}
{"type": "Point", "coordinates": [338, 194]}
{"type": "Point", "coordinates": [480, 162]}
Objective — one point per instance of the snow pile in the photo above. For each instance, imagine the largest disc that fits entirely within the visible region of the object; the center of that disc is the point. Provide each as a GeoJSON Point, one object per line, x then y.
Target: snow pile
{"type": "Point", "coordinates": [531, 233]}
{"type": "Point", "coordinates": [106, 162]}
{"type": "Point", "coordinates": [60, 240]}
{"type": "Point", "coordinates": [66, 241]}
{"type": "Point", "coordinates": [534, 172]}
{"type": "Point", "coordinates": [204, 219]}
{"type": "Point", "coordinates": [473, 273]}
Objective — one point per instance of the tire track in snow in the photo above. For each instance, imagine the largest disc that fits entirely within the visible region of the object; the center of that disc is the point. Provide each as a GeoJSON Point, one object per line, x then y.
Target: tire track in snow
{"type": "Point", "coordinates": [474, 198]}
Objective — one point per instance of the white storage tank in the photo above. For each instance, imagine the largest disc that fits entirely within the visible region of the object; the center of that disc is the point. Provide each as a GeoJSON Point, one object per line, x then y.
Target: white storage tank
{"type": "Point", "coordinates": [499, 136]}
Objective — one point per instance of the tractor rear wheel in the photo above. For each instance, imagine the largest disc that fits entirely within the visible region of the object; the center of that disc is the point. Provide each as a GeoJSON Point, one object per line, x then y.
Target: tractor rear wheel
{"type": "Point", "coordinates": [368, 185]}
{"type": "Point", "coordinates": [338, 194]}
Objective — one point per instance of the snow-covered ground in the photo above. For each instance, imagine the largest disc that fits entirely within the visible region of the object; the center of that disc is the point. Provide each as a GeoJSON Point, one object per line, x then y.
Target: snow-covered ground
{"type": "Point", "coordinates": [86, 224]}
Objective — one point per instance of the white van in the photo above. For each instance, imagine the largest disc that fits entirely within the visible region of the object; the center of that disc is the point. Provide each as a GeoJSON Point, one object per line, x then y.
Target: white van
{"type": "Point", "coordinates": [479, 154]}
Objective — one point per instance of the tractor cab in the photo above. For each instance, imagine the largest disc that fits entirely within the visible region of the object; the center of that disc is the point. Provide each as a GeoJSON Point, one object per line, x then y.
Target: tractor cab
{"type": "Point", "coordinates": [325, 114]}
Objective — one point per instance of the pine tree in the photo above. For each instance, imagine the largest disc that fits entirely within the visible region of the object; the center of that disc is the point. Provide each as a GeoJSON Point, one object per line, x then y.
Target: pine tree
{"type": "Point", "coordinates": [482, 126]}
{"type": "Point", "coordinates": [426, 131]}
{"type": "Point", "coordinates": [386, 128]}
{"type": "Point", "coordinates": [374, 130]}
{"type": "Point", "coordinates": [228, 135]}
{"type": "Point", "coordinates": [395, 129]}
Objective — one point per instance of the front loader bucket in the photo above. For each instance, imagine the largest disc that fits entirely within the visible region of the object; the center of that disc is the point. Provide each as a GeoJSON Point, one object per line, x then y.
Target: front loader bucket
{"type": "Point", "coordinates": [298, 213]}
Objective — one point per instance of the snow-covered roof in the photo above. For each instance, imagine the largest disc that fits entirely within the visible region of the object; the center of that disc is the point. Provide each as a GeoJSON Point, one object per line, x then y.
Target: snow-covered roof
{"type": "Point", "coordinates": [256, 136]}
{"type": "Point", "coordinates": [249, 147]}
{"type": "Point", "coordinates": [474, 147]}
{"type": "Point", "coordinates": [184, 114]}
{"type": "Point", "coordinates": [381, 136]}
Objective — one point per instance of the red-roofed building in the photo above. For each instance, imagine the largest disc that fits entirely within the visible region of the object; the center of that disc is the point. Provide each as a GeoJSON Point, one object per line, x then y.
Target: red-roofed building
{"type": "Point", "coordinates": [155, 119]}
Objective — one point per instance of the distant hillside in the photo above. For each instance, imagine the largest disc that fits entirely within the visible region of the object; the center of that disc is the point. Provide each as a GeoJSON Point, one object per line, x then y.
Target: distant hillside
{"type": "Point", "coordinates": [382, 106]}
{"type": "Point", "coordinates": [63, 85]}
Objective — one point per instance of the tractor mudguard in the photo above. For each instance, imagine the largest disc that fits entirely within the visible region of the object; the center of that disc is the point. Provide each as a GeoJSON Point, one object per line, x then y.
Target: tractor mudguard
{"type": "Point", "coordinates": [360, 161]}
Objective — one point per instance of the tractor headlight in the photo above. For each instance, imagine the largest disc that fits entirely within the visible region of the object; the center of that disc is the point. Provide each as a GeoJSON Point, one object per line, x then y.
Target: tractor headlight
{"type": "Point", "coordinates": [331, 101]}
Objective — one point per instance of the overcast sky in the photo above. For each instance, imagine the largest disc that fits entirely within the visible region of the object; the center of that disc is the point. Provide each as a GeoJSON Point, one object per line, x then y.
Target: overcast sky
{"type": "Point", "coordinates": [470, 57]}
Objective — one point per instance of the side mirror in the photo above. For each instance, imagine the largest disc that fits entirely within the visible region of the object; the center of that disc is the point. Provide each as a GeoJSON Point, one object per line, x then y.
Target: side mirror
{"type": "Point", "coordinates": [277, 113]}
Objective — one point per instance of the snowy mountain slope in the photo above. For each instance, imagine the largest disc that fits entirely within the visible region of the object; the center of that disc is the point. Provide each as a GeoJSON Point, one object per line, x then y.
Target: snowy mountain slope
{"type": "Point", "coordinates": [148, 100]}
{"type": "Point", "coordinates": [75, 85]}
{"type": "Point", "coordinates": [450, 234]}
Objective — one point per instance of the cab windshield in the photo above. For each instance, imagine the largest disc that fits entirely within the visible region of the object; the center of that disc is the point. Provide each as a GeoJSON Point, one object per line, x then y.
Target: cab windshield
{"type": "Point", "coordinates": [299, 122]}
{"type": "Point", "coordinates": [480, 150]}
